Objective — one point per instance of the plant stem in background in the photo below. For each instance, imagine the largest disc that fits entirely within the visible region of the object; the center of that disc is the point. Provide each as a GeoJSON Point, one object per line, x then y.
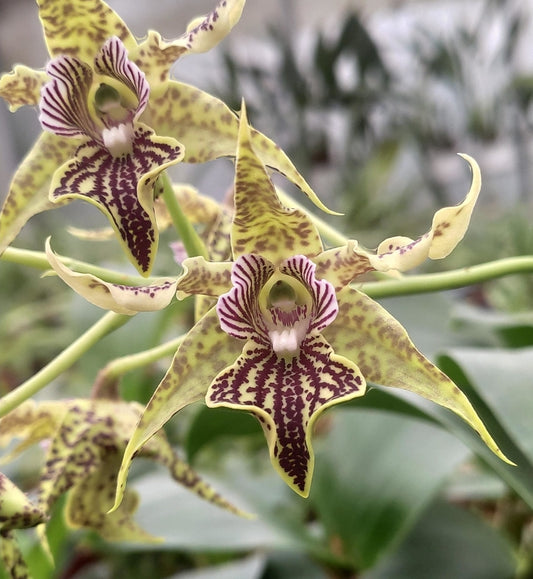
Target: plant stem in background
{"type": "Point", "coordinates": [194, 246]}
{"type": "Point", "coordinates": [105, 325]}
{"type": "Point", "coordinates": [457, 278]}
{"type": "Point", "coordinates": [110, 374]}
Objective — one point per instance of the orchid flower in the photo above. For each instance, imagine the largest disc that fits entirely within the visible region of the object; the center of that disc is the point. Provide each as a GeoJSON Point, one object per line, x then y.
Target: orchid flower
{"type": "Point", "coordinates": [116, 166]}
{"type": "Point", "coordinates": [289, 337]}
{"type": "Point", "coordinates": [100, 140]}
{"type": "Point", "coordinates": [86, 439]}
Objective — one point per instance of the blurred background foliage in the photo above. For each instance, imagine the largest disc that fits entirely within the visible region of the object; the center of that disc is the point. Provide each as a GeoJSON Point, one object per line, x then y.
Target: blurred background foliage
{"type": "Point", "coordinates": [402, 489]}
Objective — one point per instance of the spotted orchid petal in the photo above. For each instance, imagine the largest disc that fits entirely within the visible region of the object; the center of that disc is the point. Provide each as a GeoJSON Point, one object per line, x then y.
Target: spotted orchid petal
{"type": "Point", "coordinates": [448, 228]}
{"type": "Point", "coordinates": [209, 129]}
{"type": "Point", "coordinates": [116, 168]}
{"type": "Point", "coordinates": [118, 298]}
{"type": "Point", "coordinates": [28, 192]}
{"type": "Point", "coordinates": [261, 224]}
{"type": "Point", "coordinates": [22, 86]}
{"type": "Point", "coordinates": [341, 265]}
{"type": "Point", "coordinates": [366, 333]}
{"type": "Point", "coordinates": [87, 438]}
{"type": "Point", "coordinates": [16, 509]}
{"type": "Point", "coordinates": [201, 277]}
{"type": "Point", "coordinates": [80, 29]}
{"type": "Point", "coordinates": [204, 352]}
{"type": "Point", "coordinates": [155, 56]}
{"type": "Point", "coordinates": [98, 488]}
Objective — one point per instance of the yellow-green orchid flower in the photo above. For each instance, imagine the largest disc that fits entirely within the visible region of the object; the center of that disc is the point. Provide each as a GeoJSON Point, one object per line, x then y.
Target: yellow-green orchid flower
{"type": "Point", "coordinates": [86, 439]}
{"type": "Point", "coordinates": [289, 337]}
{"type": "Point", "coordinates": [105, 99]}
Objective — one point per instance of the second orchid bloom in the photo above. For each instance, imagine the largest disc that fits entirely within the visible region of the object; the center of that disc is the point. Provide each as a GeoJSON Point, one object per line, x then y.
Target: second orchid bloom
{"type": "Point", "coordinates": [289, 336]}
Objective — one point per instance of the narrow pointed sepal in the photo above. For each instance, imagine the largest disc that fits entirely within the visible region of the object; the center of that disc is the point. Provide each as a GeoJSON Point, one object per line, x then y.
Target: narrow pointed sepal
{"type": "Point", "coordinates": [122, 188]}
{"type": "Point", "coordinates": [118, 298]}
{"type": "Point", "coordinates": [204, 352]}
{"type": "Point", "coordinates": [28, 192]}
{"type": "Point", "coordinates": [208, 129]}
{"type": "Point", "coordinates": [448, 228]}
{"type": "Point", "coordinates": [287, 395]}
{"type": "Point", "coordinates": [367, 334]}
{"type": "Point", "coordinates": [277, 230]}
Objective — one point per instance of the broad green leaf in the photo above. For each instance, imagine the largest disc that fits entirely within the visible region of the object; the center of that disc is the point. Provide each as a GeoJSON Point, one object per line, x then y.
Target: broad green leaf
{"type": "Point", "coordinates": [249, 568]}
{"type": "Point", "coordinates": [449, 542]}
{"type": "Point", "coordinates": [212, 424]}
{"type": "Point", "coordinates": [375, 473]}
{"type": "Point", "coordinates": [187, 523]}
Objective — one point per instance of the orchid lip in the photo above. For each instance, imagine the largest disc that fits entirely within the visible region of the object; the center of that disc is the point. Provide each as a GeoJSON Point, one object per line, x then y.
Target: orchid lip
{"type": "Point", "coordinates": [118, 140]}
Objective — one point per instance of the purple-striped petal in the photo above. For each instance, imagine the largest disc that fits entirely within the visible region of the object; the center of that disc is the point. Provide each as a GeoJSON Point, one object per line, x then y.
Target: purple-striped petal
{"type": "Point", "coordinates": [112, 60]}
{"type": "Point", "coordinates": [287, 396]}
{"type": "Point", "coordinates": [122, 187]}
{"type": "Point", "coordinates": [325, 306]}
{"type": "Point", "coordinates": [63, 105]}
{"type": "Point", "coordinates": [238, 309]}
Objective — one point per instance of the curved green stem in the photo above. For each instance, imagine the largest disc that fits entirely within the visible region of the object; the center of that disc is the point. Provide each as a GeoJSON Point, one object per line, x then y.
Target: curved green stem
{"type": "Point", "coordinates": [106, 324]}
{"type": "Point", "coordinates": [37, 260]}
{"type": "Point", "coordinates": [432, 282]}
{"type": "Point", "coordinates": [109, 375]}
{"type": "Point", "coordinates": [194, 246]}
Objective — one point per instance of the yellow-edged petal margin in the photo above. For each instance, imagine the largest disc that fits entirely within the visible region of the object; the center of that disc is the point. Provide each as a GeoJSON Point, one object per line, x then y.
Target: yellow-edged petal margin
{"type": "Point", "coordinates": [448, 228]}
{"type": "Point", "coordinates": [367, 334]}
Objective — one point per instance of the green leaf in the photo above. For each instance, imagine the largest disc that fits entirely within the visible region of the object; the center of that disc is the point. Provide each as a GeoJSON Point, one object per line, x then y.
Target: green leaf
{"type": "Point", "coordinates": [249, 568]}
{"type": "Point", "coordinates": [375, 474]}
{"type": "Point", "coordinates": [449, 542]}
{"type": "Point", "coordinates": [210, 424]}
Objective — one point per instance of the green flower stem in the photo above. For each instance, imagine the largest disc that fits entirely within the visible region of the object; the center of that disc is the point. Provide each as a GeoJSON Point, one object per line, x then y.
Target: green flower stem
{"type": "Point", "coordinates": [106, 324]}
{"type": "Point", "coordinates": [432, 282]}
{"type": "Point", "coordinates": [327, 232]}
{"type": "Point", "coordinates": [37, 260]}
{"type": "Point", "coordinates": [120, 366]}
{"type": "Point", "coordinates": [194, 246]}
